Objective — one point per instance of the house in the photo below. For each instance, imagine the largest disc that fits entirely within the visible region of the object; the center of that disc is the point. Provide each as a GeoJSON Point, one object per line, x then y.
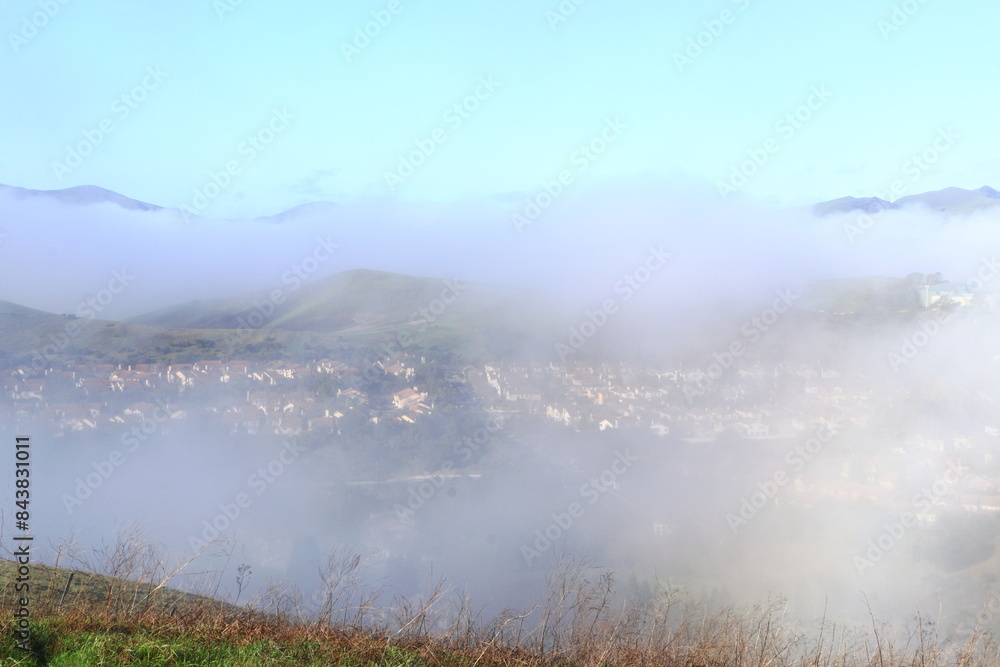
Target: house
{"type": "Point", "coordinates": [244, 418]}
{"type": "Point", "coordinates": [290, 425]}
{"type": "Point", "coordinates": [332, 367]}
{"type": "Point", "coordinates": [267, 400]}
{"type": "Point", "coordinates": [322, 424]}
{"type": "Point", "coordinates": [977, 503]}
{"type": "Point", "coordinates": [753, 430]}
{"type": "Point", "coordinates": [353, 396]}
{"type": "Point", "coordinates": [94, 385]}
{"type": "Point", "coordinates": [946, 294]}
{"type": "Point", "coordinates": [72, 417]}
{"type": "Point", "coordinates": [182, 374]}
{"type": "Point", "coordinates": [287, 371]}
{"type": "Point", "coordinates": [214, 376]}
{"type": "Point", "coordinates": [660, 429]}
{"type": "Point", "coordinates": [146, 378]}
{"type": "Point", "coordinates": [407, 397]}
{"type": "Point", "coordinates": [517, 389]}
{"type": "Point", "coordinates": [208, 366]}
{"type": "Point", "coordinates": [78, 424]}
{"type": "Point", "coordinates": [140, 410]}
{"type": "Point", "coordinates": [30, 389]}
{"type": "Point", "coordinates": [240, 367]}
{"type": "Point", "coordinates": [263, 376]}
{"type": "Point", "coordinates": [561, 415]}
{"type": "Point", "coordinates": [398, 369]}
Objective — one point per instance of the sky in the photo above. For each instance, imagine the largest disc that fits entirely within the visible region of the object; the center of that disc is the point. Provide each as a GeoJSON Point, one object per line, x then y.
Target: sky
{"type": "Point", "coordinates": [243, 108]}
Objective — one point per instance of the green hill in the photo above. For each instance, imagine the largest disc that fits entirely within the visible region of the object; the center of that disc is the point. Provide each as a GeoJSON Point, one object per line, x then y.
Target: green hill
{"type": "Point", "coordinates": [368, 307]}
{"type": "Point", "coordinates": [873, 295]}
{"type": "Point", "coordinates": [34, 338]}
{"type": "Point", "coordinates": [353, 301]}
{"type": "Point", "coordinates": [351, 313]}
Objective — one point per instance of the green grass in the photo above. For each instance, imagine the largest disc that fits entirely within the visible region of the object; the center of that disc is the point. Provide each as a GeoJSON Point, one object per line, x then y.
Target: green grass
{"type": "Point", "coordinates": [148, 647]}
{"type": "Point", "coordinates": [85, 642]}
{"type": "Point", "coordinates": [92, 592]}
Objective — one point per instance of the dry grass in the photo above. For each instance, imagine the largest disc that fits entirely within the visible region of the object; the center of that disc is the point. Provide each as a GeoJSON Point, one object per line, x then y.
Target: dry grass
{"type": "Point", "coordinates": [582, 621]}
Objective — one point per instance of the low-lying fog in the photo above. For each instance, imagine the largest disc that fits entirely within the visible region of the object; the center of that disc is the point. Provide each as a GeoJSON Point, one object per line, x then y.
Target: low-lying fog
{"type": "Point", "coordinates": [875, 479]}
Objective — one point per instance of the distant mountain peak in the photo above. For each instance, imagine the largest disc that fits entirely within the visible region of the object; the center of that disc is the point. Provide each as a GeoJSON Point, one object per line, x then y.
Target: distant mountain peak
{"type": "Point", "coordinates": [947, 200]}
{"type": "Point", "coordinates": [846, 204]}
{"type": "Point", "coordinates": [82, 195]}
{"type": "Point", "coordinates": [953, 199]}
{"type": "Point", "coordinates": [85, 195]}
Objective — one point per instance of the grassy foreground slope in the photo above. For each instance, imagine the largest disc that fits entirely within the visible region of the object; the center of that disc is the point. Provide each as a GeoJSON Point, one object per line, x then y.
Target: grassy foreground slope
{"type": "Point", "coordinates": [105, 620]}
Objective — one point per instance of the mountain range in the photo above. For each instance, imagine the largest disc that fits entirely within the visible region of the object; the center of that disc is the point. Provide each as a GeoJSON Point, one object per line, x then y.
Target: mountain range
{"type": "Point", "coordinates": [949, 200]}
{"type": "Point", "coordinates": [83, 195]}
{"type": "Point", "coordinates": [953, 200]}
{"type": "Point", "coordinates": [80, 195]}
{"type": "Point", "coordinates": [211, 290]}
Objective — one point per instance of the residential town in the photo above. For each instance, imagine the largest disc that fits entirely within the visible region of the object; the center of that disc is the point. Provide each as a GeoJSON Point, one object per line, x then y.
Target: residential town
{"type": "Point", "coordinates": [753, 403]}
{"type": "Point", "coordinates": [247, 398]}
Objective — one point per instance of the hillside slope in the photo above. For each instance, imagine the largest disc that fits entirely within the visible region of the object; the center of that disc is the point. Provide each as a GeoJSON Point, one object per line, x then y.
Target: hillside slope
{"type": "Point", "coordinates": [366, 303]}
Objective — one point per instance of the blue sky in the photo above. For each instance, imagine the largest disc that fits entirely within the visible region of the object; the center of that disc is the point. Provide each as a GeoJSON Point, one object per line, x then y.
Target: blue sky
{"type": "Point", "coordinates": [201, 77]}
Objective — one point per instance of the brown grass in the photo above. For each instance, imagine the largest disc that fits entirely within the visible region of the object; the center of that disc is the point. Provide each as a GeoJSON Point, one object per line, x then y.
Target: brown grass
{"type": "Point", "coordinates": [581, 622]}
